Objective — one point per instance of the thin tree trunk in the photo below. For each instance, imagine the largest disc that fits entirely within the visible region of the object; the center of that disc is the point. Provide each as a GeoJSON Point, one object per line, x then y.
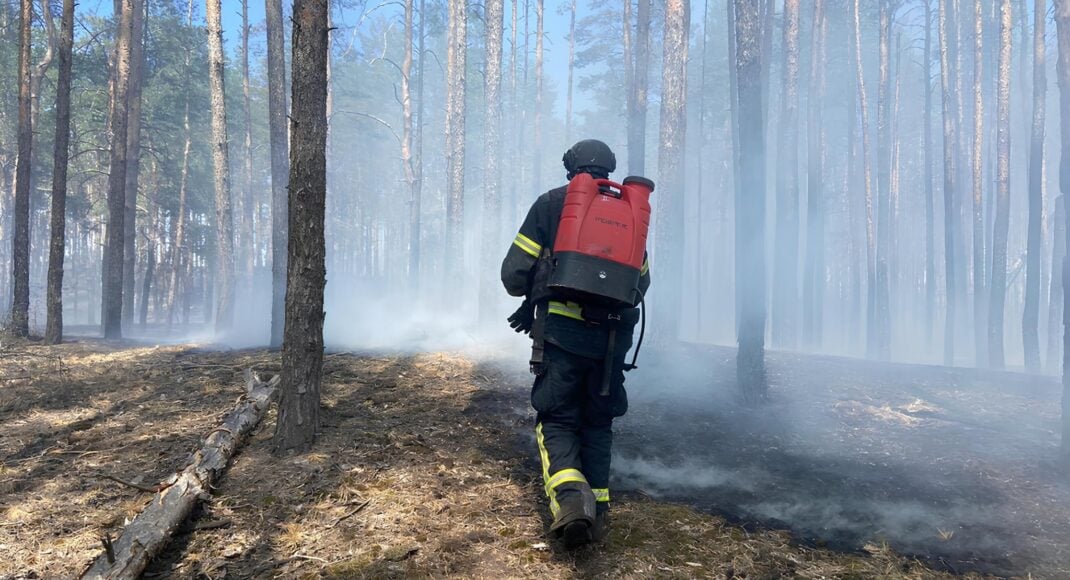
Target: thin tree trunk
{"type": "Point", "coordinates": [150, 269]}
{"type": "Point", "coordinates": [224, 218]}
{"type": "Point", "coordinates": [302, 349]}
{"type": "Point", "coordinates": [406, 154]}
{"type": "Point", "coordinates": [879, 343]}
{"type": "Point", "coordinates": [628, 44]}
{"type": "Point", "coordinates": [637, 115]}
{"type": "Point", "coordinates": [979, 277]}
{"type": "Point", "coordinates": [930, 207]}
{"type": "Point", "coordinates": [179, 251]}
{"type": "Point", "coordinates": [492, 201]}
{"type": "Point", "coordinates": [20, 305]}
{"type": "Point", "coordinates": [871, 249]}
{"type": "Point", "coordinates": [814, 278]}
{"type": "Point", "coordinates": [1031, 315]}
{"type": "Point", "coordinates": [786, 262]}
{"type": "Point", "coordinates": [733, 106]}
{"type": "Point", "coordinates": [1003, 176]}
{"type": "Point", "coordinates": [571, 66]}
{"type": "Point", "coordinates": [1062, 21]}
{"type": "Point", "coordinates": [537, 149]}
{"type": "Point", "coordinates": [1055, 291]}
{"type": "Point", "coordinates": [455, 121]}
{"type": "Point", "coordinates": [112, 287]}
{"type": "Point", "coordinates": [133, 158]}
{"type": "Point", "coordinates": [248, 202]}
{"type": "Point", "coordinates": [893, 200]}
{"type": "Point", "coordinates": [950, 179]}
{"type": "Point", "coordinates": [54, 326]}
{"type": "Point", "coordinates": [276, 65]}
{"type": "Point", "coordinates": [750, 215]}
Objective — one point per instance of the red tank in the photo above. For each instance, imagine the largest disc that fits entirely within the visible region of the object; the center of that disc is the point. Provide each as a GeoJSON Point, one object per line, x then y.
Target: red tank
{"type": "Point", "coordinates": [601, 239]}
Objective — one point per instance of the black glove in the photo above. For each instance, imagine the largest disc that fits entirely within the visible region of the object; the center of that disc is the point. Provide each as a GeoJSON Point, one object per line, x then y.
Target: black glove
{"type": "Point", "coordinates": [524, 318]}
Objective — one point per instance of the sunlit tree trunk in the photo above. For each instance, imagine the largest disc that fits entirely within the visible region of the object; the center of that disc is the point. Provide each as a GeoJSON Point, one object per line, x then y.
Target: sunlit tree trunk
{"type": "Point", "coordinates": [750, 213]}
{"type": "Point", "coordinates": [112, 287]}
{"type": "Point", "coordinates": [150, 264]}
{"type": "Point", "coordinates": [878, 344]}
{"type": "Point", "coordinates": [455, 121]}
{"type": "Point", "coordinates": [814, 277]}
{"type": "Point", "coordinates": [54, 325]}
{"type": "Point", "coordinates": [492, 201]}
{"type": "Point", "coordinates": [979, 276]}
{"type": "Point", "coordinates": [637, 114]}
{"type": "Point", "coordinates": [407, 155]}
{"type": "Point", "coordinates": [179, 246]}
{"type": "Point", "coordinates": [248, 200]}
{"type": "Point", "coordinates": [949, 114]}
{"type": "Point", "coordinates": [224, 218]}
{"type": "Point", "coordinates": [1062, 20]}
{"type": "Point", "coordinates": [1003, 177]}
{"type": "Point", "coordinates": [1031, 315]}
{"type": "Point", "coordinates": [786, 260]}
{"type": "Point", "coordinates": [133, 158]}
{"type": "Point", "coordinates": [280, 165]}
{"type": "Point", "coordinates": [302, 349]}
{"type": "Point", "coordinates": [20, 305]}
{"type": "Point", "coordinates": [669, 240]}
{"type": "Point", "coordinates": [867, 171]}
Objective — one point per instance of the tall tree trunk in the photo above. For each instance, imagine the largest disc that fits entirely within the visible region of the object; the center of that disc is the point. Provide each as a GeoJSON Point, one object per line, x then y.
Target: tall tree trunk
{"type": "Point", "coordinates": [492, 147]}
{"type": "Point", "coordinates": [979, 277]}
{"type": "Point", "coordinates": [786, 262]}
{"type": "Point", "coordinates": [1031, 315]}
{"type": "Point", "coordinates": [733, 106]}
{"type": "Point", "coordinates": [1062, 21]}
{"type": "Point", "coordinates": [571, 66]}
{"type": "Point", "coordinates": [1055, 291]}
{"type": "Point", "coordinates": [537, 149]}
{"type": "Point", "coordinates": [871, 242]}
{"type": "Point", "coordinates": [949, 112]}
{"type": "Point", "coordinates": [637, 115]}
{"type": "Point", "coordinates": [669, 228]}
{"type": "Point", "coordinates": [133, 158]}
{"type": "Point", "coordinates": [455, 117]}
{"type": "Point", "coordinates": [276, 65]}
{"type": "Point", "coordinates": [179, 246]}
{"type": "Point", "coordinates": [930, 198]}
{"type": "Point", "coordinates": [814, 278]}
{"type": "Point", "coordinates": [112, 286]}
{"type": "Point", "coordinates": [1003, 185]}
{"type": "Point", "coordinates": [150, 267]}
{"type": "Point", "coordinates": [302, 349]}
{"type": "Point", "coordinates": [879, 344]}
{"type": "Point", "coordinates": [407, 155]}
{"type": "Point", "coordinates": [750, 215]}
{"type": "Point", "coordinates": [248, 202]}
{"type": "Point", "coordinates": [54, 326]}
{"type": "Point", "coordinates": [224, 218]}
{"type": "Point", "coordinates": [628, 44]}
{"type": "Point", "coordinates": [20, 305]}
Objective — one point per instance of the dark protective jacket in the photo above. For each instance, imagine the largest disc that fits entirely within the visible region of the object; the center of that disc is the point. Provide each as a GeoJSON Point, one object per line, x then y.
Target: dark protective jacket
{"type": "Point", "coordinates": [566, 326]}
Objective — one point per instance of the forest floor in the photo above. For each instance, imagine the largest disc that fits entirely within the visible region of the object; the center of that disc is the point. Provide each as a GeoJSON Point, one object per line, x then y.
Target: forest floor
{"type": "Point", "coordinates": [425, 468]}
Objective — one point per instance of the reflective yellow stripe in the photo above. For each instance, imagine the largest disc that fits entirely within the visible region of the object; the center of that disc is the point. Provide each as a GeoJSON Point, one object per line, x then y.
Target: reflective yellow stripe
{"type": "Point", "coordinates": [645, 268]}
{"type": "Point", "coordinates": [528, 245]}
{"type": "Point", "coordinates": [601, 494]}
{"type": "Point", "coordinates": [564, 476]}
{"type": "Point", "coordinates": [544, 456]}
{"type": "Point", "coordinates": [566, 309]}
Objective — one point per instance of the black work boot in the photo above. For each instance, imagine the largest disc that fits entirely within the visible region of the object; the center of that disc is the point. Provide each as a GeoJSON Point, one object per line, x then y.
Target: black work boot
{"type": "Point", "coordinates": [575, 514]}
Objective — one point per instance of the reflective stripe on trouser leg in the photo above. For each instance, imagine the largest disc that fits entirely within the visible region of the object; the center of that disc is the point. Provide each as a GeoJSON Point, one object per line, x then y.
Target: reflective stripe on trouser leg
{"type": "Point", "coordinates": [601, 494]}
{"type": "Point", "coordinates": [552, 481]}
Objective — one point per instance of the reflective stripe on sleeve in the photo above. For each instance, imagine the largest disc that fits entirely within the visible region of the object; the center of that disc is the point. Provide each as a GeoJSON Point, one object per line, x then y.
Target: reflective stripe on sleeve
{"type": "Point", "coordinates": [528, 245]}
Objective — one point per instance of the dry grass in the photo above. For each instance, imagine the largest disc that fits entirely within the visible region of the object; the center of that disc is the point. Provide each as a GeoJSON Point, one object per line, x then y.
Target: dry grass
{"type": "Point", "coordinates": [419, 472]}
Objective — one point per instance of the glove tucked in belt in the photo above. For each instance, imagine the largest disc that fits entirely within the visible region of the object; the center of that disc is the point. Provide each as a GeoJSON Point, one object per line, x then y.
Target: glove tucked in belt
{"type": "Point", "coordinates": [524, 318]}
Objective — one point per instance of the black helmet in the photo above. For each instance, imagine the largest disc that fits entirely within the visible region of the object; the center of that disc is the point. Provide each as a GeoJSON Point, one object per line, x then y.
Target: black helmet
{"type": "Point", "coordinates": [590, 156]}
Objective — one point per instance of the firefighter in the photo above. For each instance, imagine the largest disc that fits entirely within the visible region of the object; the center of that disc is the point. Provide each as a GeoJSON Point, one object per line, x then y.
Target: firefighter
{"type": "Point", "coordinates": [573, 397]}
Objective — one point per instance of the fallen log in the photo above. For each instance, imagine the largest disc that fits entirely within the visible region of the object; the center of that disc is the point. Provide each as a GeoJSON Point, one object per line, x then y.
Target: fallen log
{"type": "Point", "coordinates": [150, 531]}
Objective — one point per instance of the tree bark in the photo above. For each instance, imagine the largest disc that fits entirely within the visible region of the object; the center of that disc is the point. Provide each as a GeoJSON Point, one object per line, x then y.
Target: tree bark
{"type": "Point", "coordinates": [179, 249]}
{"type": "Point", "coordinates": [814, 277]}
{"type": "Point", "coordinates": [407, 156]}
{"type": "Point", "coordinates": [1055, 291]}
{"type": "Point", "coordinates": [248, 201]}
{"type": "Point", "coordinates": [133, 158]}
{"type": "Point", "coordinates": [455, 121]}
{"type": "Point", "coordinates": [302, 349]}
{"type": "Point", "coordinates": [637, 114]}
{"type": "Point", "coordinates": [492, 201]}
{"type": "Point", "coordinates": [224, 218]}
{"type": "Point", "coordinates": [112, 286]}
{"type": "Point", "coordinates": [537, 149]}
{"type": "Point", "coordinates": [930, 197]}
{"type": "Point", "coordinates": [1031, 314]}
{"type": "Point", "coordinates": [979, 285]}
{"type": "Point", "coordinates": [1003, 176]}
{"type": "Point", "coordinates": [571, 66]}
{"type": "Point", "coordinates": [786, 261]}
{"type": "Point", "coordinates": [54, 325]}
{"type": "Point", "coordinates": [669, 239]}
{"type": "Point", "coordinates": [750, 215]}
{"type": "Point", "coordinates": [1062, 21]}
{"type": "Point", "coordinates": [20, 304]}
{"type": "Point", "coordinates": [867, 171]}
{"type": "Point", "coordinates": [150, 268]}
{"type": "Point", "coordinates": [950, 113]}
{"type": "Point", "coordinates": [276, 64]}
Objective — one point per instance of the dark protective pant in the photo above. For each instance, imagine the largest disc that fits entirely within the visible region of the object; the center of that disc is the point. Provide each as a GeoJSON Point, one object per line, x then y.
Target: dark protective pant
{"type": "Point", "coordinates": [574, 428]}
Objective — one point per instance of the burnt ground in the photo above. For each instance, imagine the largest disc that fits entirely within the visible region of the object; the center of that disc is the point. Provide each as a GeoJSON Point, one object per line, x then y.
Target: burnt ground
{"type": "Point", "coordinates": [425, 468]}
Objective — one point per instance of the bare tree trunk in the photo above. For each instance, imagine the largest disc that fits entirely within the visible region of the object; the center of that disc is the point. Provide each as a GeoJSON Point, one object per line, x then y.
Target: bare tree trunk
{"type": "Point", "coordinates": [1003, 176]}
{"type": "Point", "coordinates": [54, 326]}
{"type": "Point", "coordinates": [571, 66]}
{"type": "Point", "coordinates": [1055, 291]}
{"type": "Point", "coordinates": [537, 149]}
{"type": "Point", "coordinates": [786, 262]}
{"type": "Point", "coordinates": [871, 242]}
{"type": "Point", "coordinates": [492, 147]}
{"type": "Point", "coordinates": [637, 114]}
{"type": "Point", "coordinates": [224, 218]}
{"type": "Point", "coordinates": [930, 198]}
{"type": "Point", "coordinates": [20, 305]}
{"type": "Point", "coordinates": [248, 202]}
{"type": "Point", "coordinates": [979, 277]}
{"type": "Point", "coordinates": [629, 71]}
{"type": "Point", "coordinates": [133, 159]}
{"type": "Point", "coordinates": [150, 267]}
{"type": "Point", "coordinates": [733, 106]}
{"type": "Point", "coordinates": [814, 278]}
{"type": "Point", "coordinates": [455, 118]}
{"type": "Point", "coordinates": [406, 154]}
{"type": "Point", "coordinates": [750, 215]}
{"type": "Point", "coordinates": [179, 248]}
{"type": "Point", "coordinates": [1031, 315]}
{"type": "Point", "coordinates": [112, 287]}
{"type": "Point", "coordinates": [950, 113]}
{"type": "Point", "coordinates": [302, 349]}
{"type": "Point", "coordinates": [1062, 21]}
{"type": "Point", "coordinates": [276, 64]}
{"type": "Point", "coordinates": [669, 240]}
{"type": "Point", "coordinates": [893, 201]}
